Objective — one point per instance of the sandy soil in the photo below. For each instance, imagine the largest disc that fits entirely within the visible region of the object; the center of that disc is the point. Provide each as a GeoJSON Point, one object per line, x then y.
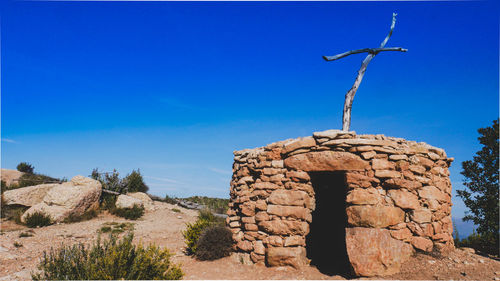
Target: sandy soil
{"type": "Point", "coordinates": [163, 227]}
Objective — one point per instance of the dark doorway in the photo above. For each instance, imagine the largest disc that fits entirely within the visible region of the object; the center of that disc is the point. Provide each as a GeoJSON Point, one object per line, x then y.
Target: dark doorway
{"type": "Point", "coordinates": [325, 242]}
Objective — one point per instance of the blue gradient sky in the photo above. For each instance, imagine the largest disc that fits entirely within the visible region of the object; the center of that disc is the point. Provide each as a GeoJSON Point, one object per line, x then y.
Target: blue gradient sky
{"type": "Point", "coordinates": [173, 88]}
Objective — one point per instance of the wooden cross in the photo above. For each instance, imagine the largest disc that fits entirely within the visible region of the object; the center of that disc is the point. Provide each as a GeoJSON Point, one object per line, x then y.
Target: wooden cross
{"type": "Point", "coordinates": [372, 52]}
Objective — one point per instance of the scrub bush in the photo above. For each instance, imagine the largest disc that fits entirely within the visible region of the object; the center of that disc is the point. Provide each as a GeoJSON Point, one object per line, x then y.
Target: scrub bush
{"type": "Point", "coordinates": [25, 168]}
{"type": "Point", "coordinates": [194, 230]}
{"type": "Point", "coordinates": [109, 260]}
{"type": "Point", "coordinates": [38, 219]}
{"type": "Point", "coordinates": [129, 213]}
{"type": "Point", "coordinates": [215, 242]}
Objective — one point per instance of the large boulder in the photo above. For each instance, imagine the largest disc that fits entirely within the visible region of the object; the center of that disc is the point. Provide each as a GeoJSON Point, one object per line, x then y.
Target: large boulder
{"type": "Point", "coordinates": [72, 198]}
{"type": "Point", "coordinates": [145, 199]}
{"type": "Point", "coordinates": [10, 176]}
{"type": "Point", "coordinates": [373, 252]}
{"type": "Point", "coordinates": [27, 196]}
{"type": "Point", "coordinates": [124, 201]}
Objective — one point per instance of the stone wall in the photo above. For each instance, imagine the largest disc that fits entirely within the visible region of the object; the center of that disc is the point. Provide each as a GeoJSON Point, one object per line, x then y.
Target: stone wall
{"type": "Point", "coordinates": [398, 199]}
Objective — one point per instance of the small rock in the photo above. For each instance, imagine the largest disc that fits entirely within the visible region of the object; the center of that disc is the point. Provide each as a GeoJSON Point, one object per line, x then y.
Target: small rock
{"type": "Point", "coordinates": [463, 273]}
{"type": "Point", "coordinates": [466, 263]}
{"type": "Point", "coordinates": [481, 261]}
{"type": "Point", "coordinates": [179, 217]}
{"type": "Point", "coordinates": [496, 278]}
{"type": "Point", "coordinates": [432, 262]}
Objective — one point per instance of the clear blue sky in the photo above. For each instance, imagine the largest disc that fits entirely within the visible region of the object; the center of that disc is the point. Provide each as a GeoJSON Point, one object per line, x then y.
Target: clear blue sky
{"type": "Point", "coordinates": [173, 88]}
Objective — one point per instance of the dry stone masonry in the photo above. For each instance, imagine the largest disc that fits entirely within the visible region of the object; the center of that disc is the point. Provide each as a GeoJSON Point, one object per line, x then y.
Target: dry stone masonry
{"type": "Point", "coordinates": [397, 199]}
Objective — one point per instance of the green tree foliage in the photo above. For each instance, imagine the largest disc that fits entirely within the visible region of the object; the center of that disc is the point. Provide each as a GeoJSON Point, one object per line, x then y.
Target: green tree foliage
{"type": "Point", "coordinates": [135, 183]}
{"type": "Point", "coordinates": [25, 168]}
{"type": "Point", "coordinates": [110, 181]}
{"type": "Point", "coordinates": [481, 182]}
{"type": "Point", "coordinates": [110, 260]}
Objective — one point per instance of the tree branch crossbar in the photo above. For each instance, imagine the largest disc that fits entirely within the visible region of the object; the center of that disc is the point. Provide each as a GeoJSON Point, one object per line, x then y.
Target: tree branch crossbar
{"type": "Point", "coordinates": [372, 52]}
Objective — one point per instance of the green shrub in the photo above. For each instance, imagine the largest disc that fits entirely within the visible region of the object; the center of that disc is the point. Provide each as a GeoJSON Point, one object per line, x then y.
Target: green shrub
{"type": "Point", "coordinates": [34, 179]}
{"type": "Point", "coordinates": [115, 227]}
{"type": "Point", "coordinates": [485, 243]}
{"type": "Point", "coordinates": [170, 200]}
{"type": "Point", "coordinates": [17, 244]}
{"type": "Point", "coordinates": [215, 242]}
{"type": "Point", "coordinates": [175, 210]}
{"type": "Point", "coordinates": [107, 201]}
{"type": "Point", "coordinates": [88, 215]}
{"type": "Point", "coordinates": [38, 219]}
{"type": "Point", "coordinates": [105, 229]}
{"type": "Point", "coordinates": [25, 168]}
{"type": "Point", "coordinates": [129, 213]}
{"type": "Point", "coordinates": [192, 233]}
{"type": "Point", "coordinates": [135, 183]}
{"type": "Point", "coordinates": [109, 260]}
{"type": "Point", "coordinates": [194, 230]}
{"type": "Point", "coordinates": [110, 181]}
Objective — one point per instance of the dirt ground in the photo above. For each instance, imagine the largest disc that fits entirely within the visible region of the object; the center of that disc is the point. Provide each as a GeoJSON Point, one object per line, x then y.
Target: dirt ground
{"type": "Point", "coordinates": [163, 227]}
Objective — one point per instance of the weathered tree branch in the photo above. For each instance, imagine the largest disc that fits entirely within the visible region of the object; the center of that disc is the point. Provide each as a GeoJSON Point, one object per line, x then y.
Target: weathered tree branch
{"type": "Point", "coordinates": [390, 31]}
{"type": "Point", "coordinates": [365, 50]}
{"type": "Point", "coordinates": [349, 97]}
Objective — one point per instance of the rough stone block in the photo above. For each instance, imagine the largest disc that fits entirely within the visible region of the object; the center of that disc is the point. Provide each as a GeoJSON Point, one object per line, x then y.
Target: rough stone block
{"type": "Point", "coordinates": [422, 244]}
{"type": "Point", "coordinates": [421, 215]}
{"type": "Point", "coordinates": [373, 252]}
{"type": "Point", "coordinates": [326, 161]}
{"type": "Point", "coordinates": [285, 227]}
{"type": "Point", "coordinates": [296, 212]}
{"type": "Point", "coordinates": [369, 196]}
{"type": "Point", "coordinates": [288, 197]}
{"type": "Point", "coordinates": [286, 256]}
{"type": "Point", "coordinates": [374, 216]}
{"type": "Point", "coordinates": [404, 199]}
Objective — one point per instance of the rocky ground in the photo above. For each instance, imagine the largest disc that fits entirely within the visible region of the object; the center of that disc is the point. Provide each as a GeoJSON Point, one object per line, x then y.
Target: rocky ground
{"type": "Point", "coordinates": [162, 226]}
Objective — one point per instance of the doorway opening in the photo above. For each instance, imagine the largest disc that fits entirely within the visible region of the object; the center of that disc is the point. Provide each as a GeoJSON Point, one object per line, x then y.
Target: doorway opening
{"type": "Point", "coordinates": [325, 243]}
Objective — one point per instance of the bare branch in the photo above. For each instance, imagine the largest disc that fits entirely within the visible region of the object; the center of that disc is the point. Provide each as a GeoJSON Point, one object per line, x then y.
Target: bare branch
{"type": "Point", "coordinates": [372, 52]}
{"type": "Point", "coordinates": [365, 50]}
{"type": "Point", "coordinates": [390, 32]}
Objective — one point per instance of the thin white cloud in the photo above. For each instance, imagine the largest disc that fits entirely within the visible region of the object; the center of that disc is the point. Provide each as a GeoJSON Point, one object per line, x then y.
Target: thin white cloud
{"type": "Point", "coordinates": [164, 179]}
{"type": "Point", "coordinates": [8, 140]}
{"type": "Point", "coordinates": [220, 171]}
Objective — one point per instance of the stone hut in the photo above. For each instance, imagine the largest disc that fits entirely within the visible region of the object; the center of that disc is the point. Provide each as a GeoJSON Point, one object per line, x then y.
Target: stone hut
{"type": "Point", "coordinates": [346, 203]}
